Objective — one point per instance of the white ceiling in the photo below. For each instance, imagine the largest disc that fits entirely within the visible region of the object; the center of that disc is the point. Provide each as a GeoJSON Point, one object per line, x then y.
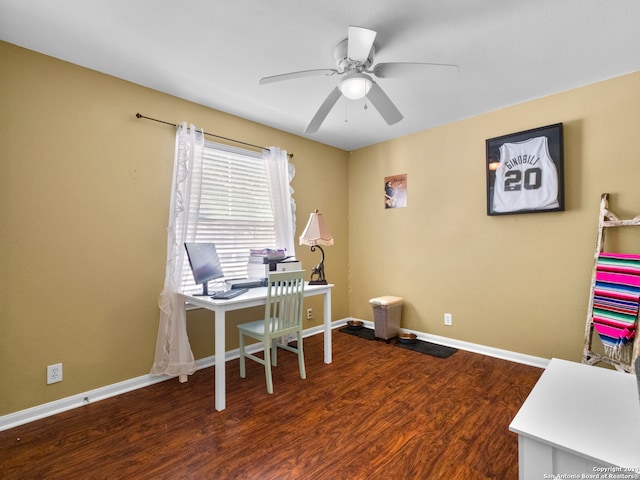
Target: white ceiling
{"type": "Point", "coordinates": [213, 52]}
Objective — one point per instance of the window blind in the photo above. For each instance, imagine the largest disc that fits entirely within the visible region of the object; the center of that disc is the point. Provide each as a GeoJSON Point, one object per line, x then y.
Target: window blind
{"type": "Point", "coordinates": [235, 209]}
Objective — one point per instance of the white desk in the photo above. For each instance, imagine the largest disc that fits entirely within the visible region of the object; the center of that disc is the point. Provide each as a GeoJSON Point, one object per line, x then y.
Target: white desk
{"type": "Point", "coordinates": [579, 419]}
{"type": "Point", "coordinates": [254, 297]}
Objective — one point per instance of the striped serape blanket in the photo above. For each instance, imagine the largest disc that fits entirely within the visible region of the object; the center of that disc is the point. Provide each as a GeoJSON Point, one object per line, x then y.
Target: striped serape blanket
{"type": "Point", "coordinates": [615, 300]}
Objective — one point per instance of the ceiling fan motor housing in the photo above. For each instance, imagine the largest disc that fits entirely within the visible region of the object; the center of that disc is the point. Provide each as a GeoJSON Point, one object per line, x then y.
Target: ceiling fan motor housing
{"type": "Point", "coordinates": [345, 64]}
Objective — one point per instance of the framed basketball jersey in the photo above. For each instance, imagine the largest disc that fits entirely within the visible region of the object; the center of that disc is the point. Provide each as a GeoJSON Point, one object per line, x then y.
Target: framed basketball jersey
{"type": "Point", "coordinates": [525, 172]}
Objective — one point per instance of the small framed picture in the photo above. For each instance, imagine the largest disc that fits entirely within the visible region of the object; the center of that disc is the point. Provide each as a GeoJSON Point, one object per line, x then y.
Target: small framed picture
{"type": "Point", "coordinates": [525, 172]}
{"type": "Point", "coordinates": [395, 191]}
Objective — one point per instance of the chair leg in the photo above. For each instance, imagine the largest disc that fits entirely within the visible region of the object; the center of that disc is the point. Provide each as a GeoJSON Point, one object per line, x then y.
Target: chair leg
{"type": "Point", "coordinates": [243, 370]}
{"type": "Point", "coordinates": [303, 372]}
{"type": "Point", "coordinates": [267, 365]}
{"type": "Point", "coordinates": [274, 352]}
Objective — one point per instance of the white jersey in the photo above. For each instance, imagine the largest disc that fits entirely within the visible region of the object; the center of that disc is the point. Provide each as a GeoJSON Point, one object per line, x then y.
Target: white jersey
{"type": "Point", "coordinates": [526, 178]}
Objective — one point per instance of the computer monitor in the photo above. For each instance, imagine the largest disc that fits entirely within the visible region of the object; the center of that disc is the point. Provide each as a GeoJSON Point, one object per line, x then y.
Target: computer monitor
{"type": "Point", "coordinates": [205, 264]}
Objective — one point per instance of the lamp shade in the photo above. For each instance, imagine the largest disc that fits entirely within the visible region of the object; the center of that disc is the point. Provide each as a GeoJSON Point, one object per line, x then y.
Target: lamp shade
{"type": "Point", "coordinates": [316, 232]}
{"type": "Point", "coordinates": [355, 85]}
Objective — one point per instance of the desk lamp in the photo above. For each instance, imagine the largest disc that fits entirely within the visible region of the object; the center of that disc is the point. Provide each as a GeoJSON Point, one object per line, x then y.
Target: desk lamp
{"type": "Point", "coordinates": [316, 233]}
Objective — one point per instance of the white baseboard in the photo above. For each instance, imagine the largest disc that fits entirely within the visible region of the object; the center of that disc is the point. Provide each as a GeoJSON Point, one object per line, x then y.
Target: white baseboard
{"type": "Point", "coordinates": [474, 347]}
{"type": "Point", "coordinates": [58, 406]}
{"type": "Point", "coordinates": [488, 351]}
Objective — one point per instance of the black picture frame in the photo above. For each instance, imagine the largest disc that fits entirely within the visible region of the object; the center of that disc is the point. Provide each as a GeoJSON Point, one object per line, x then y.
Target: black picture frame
{"type": "Point", "coordinates": [528, 180]}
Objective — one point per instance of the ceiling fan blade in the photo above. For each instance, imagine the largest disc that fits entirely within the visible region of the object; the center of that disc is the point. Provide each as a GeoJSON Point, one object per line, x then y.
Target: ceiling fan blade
{"type": "Point", "coordinates": [304, 73]}
{"type": "Point", "coordinates": [360, 43]}
{"type": "Point", "coordinates": [323, 111]}
{"type": "Point", "coordinates": [399, 69]}
{"type": "Point", "coordinates": [384, 105]}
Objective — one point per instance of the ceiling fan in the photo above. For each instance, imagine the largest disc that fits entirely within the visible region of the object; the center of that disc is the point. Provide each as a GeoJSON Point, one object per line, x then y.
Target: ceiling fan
{"type": "Point", "coordinates": [354, 58]}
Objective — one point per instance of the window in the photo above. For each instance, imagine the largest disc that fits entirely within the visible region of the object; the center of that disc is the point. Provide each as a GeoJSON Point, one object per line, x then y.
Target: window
{"type": "Point", "coordinates": [236, 209]}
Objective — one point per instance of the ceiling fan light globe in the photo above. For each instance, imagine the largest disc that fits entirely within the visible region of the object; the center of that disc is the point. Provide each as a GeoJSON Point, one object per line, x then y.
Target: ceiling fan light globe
{"type": "Point", "coordinates": [355, 86]}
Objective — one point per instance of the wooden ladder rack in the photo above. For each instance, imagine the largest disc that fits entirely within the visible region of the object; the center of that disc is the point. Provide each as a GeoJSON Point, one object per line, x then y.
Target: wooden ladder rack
{"type": "Point", "coordinates": [607, 219]}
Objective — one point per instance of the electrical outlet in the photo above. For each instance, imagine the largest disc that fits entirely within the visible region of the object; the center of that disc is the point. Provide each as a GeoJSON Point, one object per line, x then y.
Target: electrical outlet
{"type": "Point", "coordinates": [309, 313]}
{"type": "Point", "coordinates": [54, 373]}
{"type": "Point", "coordinates": [448, 319]}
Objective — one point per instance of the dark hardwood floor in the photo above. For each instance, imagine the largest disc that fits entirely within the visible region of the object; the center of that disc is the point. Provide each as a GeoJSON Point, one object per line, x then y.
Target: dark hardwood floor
{"type": "Point", "coordinates": [377, 412]}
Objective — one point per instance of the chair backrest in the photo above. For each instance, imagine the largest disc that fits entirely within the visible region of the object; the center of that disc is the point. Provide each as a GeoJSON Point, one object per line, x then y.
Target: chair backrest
{"type": "Point", "coordinates": [283, 310]}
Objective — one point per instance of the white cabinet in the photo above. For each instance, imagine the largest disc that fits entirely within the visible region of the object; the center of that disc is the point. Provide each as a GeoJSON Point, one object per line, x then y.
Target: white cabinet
{"type": "Point", "coordinates": [579, 420]}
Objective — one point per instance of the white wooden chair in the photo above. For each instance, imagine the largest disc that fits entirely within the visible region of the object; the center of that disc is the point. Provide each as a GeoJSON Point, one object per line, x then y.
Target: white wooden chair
{"type": "Point", "coordinates": [282, 316]}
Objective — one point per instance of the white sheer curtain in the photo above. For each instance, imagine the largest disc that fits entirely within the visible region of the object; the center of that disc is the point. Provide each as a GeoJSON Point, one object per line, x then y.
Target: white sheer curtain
{"type": "Point", "coordinates": [173, 352]}
{"type": "Point", "coordinates": [279, 174]}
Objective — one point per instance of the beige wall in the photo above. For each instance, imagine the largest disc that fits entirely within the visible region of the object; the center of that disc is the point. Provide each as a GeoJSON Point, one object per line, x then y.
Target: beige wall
{"type": "Point", "coordinates": [515, 282]}
{"type": "Point", "coordinates": [84, 193]}
{"type": "Point", "coordinates": [84, 196]}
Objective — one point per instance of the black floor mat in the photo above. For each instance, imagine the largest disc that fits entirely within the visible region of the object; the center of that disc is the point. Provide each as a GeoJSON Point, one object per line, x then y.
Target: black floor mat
{"type": "Point", "coordinates": [421, 346]}
{"type": "Point", "coordinates": [429, 348]}
{"type": "Point", "coordinates": [366, 333]}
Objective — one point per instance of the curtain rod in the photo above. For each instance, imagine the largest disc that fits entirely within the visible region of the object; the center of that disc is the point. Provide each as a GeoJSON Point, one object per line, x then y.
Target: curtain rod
{"type": "Point", "coordinates": [139, 115]}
